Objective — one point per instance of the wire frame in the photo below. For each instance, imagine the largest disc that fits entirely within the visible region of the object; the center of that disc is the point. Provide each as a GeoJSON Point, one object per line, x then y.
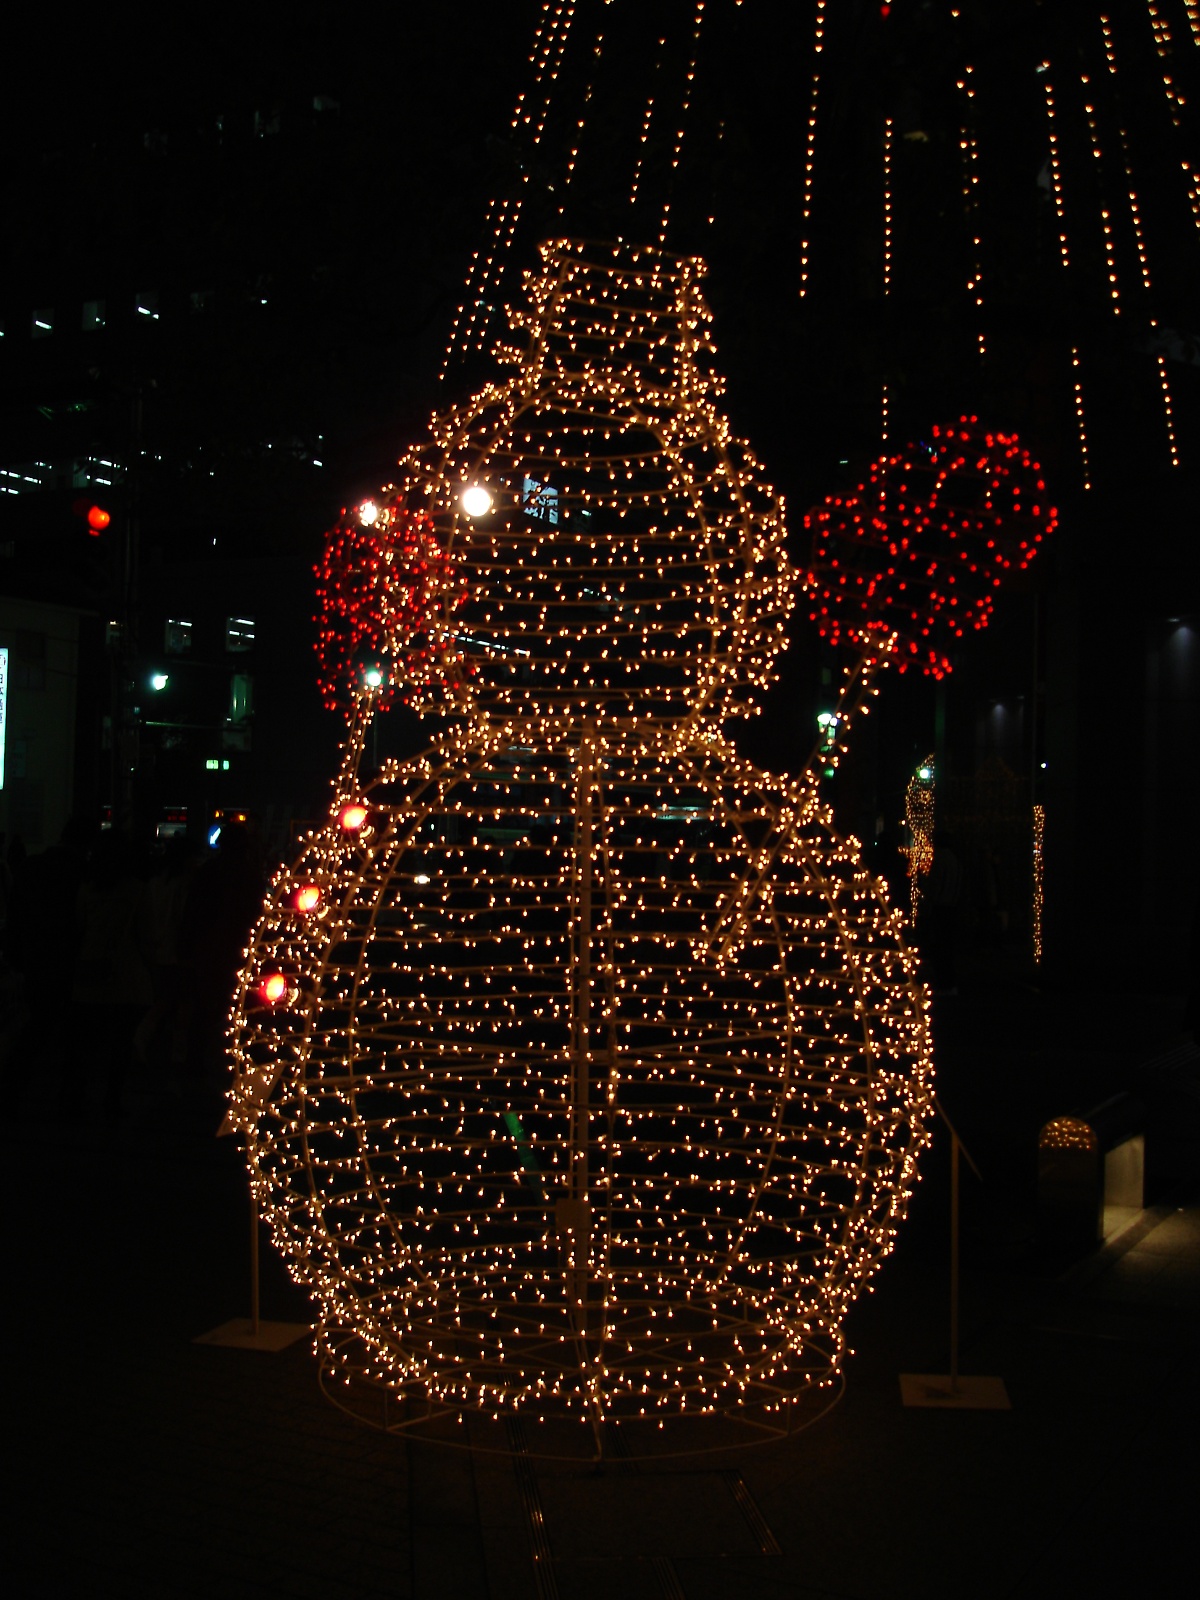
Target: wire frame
{"type": "Point", "coordinates": [582, 1067]}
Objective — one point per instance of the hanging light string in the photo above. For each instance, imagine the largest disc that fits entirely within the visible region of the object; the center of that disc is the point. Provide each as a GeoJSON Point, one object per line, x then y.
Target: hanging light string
{"type": "Point", "coordinates": [1168, 411]}
{"type": "Point", "coordinates": [1175, 99]}
{"type": "Point", "coordinates": [810, 145]}
{"type": "Point", "coordinates": [1080, 419]}
{"type": "Point", "coordinates": [1143, 256]}
{"type": "Point", "coordinates": [645, 129]}
{"type": "Point", "coordinates": [1163, 46]}
{"type": "Point", "coordinates": [486, 269]}
{"type": "Point", "coordinates": [573, 158]}
{"type": "Point", "coordinates": [920, 803]}
{"type": "Point", "coordinates": [1110, 258]}
{"type": "Point", "coordinates": [677, 148]}
{"type": "Point", "coordinates": [1056, 183]}
{"type": "Point", "coordinates": [1192, 7]}
{"type": "Point", "coordinates": [887, 206]}
{"type": "Point", "coordinates": [1039, 877]}
{"type": "Point", "coordinates": [969, 150]}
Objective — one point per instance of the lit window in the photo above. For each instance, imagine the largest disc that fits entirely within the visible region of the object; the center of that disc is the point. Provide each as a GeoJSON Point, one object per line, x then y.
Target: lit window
{"type": "Point", "coordinates": [178, 636]}
{"type": "Point", "coordinates": [241, 697]}
{"type": "Point", "coordinates": [90, 470]}
{"type": "Point", "coordinates": [539, 500]}
{"type": "Point", "coordinates": [147, 304]}
{"type": "Point", "coordinates": [239, 634]}
{"type": "Point", "coordinates": [43, 322]}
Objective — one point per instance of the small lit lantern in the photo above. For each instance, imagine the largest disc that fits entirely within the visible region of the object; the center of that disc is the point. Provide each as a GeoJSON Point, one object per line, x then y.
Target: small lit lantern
{"type": "Point", "coordinates": [274, 988]}
{"type": "Point", "coordinates": [352, 817]}
{"type": "Point", "coordinates": [307, 897]}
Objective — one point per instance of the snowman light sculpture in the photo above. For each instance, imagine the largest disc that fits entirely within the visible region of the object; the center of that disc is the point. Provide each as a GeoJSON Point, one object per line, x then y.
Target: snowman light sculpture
{"type": "Point", "coordinates": [583, 1068]}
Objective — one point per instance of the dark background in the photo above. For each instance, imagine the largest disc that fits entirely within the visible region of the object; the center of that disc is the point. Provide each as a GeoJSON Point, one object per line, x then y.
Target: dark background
{"type": "Point", "coordinates": [277, 209]}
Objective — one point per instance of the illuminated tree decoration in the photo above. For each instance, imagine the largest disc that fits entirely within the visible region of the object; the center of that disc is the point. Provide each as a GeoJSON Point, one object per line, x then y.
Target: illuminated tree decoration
{"type": "Point", "coordinates": [919, 801]}
{"type": "Point", "coordinates": [916, 553]}
{"type": "Point", "coordinates": [598, 1068]}
{"type": "Point", "coordinates": [385, 587]}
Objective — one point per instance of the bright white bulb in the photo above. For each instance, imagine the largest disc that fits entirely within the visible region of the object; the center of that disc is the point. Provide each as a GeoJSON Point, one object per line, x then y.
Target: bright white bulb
{"type": "Point", "coordinates": [368, 513]}
{"type": "Point", "coordinates": [475, 500]}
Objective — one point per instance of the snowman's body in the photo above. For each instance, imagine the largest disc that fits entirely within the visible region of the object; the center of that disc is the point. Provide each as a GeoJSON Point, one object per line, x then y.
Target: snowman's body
{"type": "Point", "coordinates": [602, 1068]}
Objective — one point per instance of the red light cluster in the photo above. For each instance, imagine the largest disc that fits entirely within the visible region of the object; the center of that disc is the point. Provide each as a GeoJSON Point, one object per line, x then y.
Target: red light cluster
{"type": "Point", "coordinates": [921, 547]}
{"type": "Point", "coordinates": [380, 589]}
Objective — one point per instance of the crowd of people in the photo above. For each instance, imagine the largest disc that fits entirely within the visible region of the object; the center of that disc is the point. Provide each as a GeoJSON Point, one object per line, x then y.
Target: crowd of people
{"type": "Point", "coordinates": [116, 961]}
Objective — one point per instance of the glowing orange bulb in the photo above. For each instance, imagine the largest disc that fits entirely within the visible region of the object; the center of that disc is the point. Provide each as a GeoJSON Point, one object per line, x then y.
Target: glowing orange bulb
{"type": "Point", "coordinates": [308, 897]}
{"type": "Point", "coordinates": [274, 988]}
{"type": "Point", "coordinates": [352, 816]}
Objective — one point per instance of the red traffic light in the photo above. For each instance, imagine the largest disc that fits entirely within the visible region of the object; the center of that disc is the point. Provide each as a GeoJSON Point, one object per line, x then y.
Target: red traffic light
{"type": "Point", "coordinates": [96, 517]}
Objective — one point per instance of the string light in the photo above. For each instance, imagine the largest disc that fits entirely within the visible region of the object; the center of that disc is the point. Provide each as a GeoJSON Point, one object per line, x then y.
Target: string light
{"type": "Point", "coordinates": [1056, 184]}
{"type": "Point", "coordinates": [384, 586]}
{"type": "Point", "coordinates": [689, 84]}
{"type": "Point", "coordinates": [637, 170]}
{"type": "Point", "coordinates": [920, 801]}
{"type": "Point", "coordinates": [1080, 420]}
{"type": "Point", "coordinates": [531, 1140]}
{"type": "Point", "coordinates": [1039, 869]}
{"type": "Point", "coordinates": [1067, 1133]}
{"type": "Point", "coordinates": [887, 206]}
{"type": "Point", "coordinates": [572, 159]}
{"type": "Point", "coordinates": [810, 145]}
{"type": "Point", "coordinates": [1110, 52]}
{"type": "Point", "coordinates": [1162, 43]}
{"type": "Point", "coordinates": [1168, 411]}
{"type": "Point", "coordinates": [913, 557]}
{"type": "Point", "coordinates": [469, 326]}
{"type": "Point", "coordinates": [969, 150]}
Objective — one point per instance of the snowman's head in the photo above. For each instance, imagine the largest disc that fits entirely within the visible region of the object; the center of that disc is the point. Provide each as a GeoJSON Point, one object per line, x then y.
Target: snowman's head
{"type": "Point", "coordinates": [619, 557]}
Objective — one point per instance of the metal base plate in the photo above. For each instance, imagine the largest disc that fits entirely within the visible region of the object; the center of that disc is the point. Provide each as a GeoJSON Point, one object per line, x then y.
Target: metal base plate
{"type": "Point", "coordinates": [964, 1394]}
{"type": "Point", "coordinates": [242, 1334]}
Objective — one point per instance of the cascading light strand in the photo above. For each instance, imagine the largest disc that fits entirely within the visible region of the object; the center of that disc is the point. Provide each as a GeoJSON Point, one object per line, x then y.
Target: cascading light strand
{"type": "Point", "coordinates": [1056, 182]}
{"type": "Point", "coordinates": [1080, 419]}
{"type": "Point", "coordinates": [969, 151]}
{"type": "Point", "coordinates": [1168, 410]}
{"type": "Point", "coordinates": [688, 89]}
{"type": "Point", "coordinates": [810, 147]}
{"type": "Point", "coordinates": [887, 206]}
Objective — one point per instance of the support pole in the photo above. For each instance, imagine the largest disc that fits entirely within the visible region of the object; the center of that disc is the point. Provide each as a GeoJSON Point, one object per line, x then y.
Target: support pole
{"type": "Point", "coordinates": [254, 1278]}
{"type": "Point", "coordinates": [954, 1148]}
{"type": "Point", "coordinates": [950, 1390]}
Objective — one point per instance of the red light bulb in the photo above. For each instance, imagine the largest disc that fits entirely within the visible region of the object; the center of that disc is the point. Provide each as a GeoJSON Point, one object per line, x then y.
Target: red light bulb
{"type": "Point", "coordinates": [273, 988]}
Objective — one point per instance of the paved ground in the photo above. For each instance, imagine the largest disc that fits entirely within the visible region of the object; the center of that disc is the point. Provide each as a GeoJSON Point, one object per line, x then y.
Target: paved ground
{"type": "Point", "coordinates": [150, 1465]}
